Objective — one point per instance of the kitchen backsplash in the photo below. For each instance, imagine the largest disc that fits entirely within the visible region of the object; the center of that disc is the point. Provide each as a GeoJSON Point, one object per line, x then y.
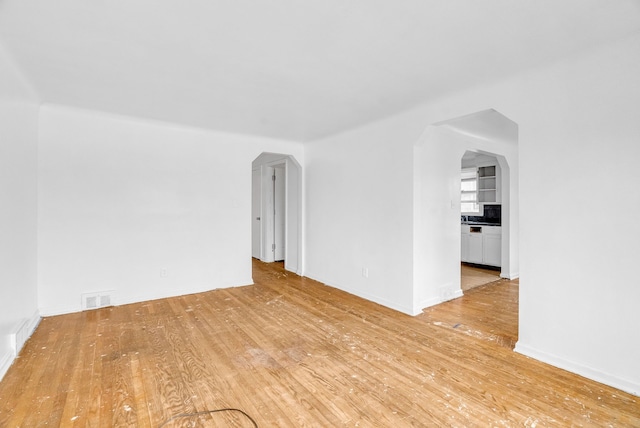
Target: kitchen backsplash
{"type": "Point", "coordinates": [492, 214]}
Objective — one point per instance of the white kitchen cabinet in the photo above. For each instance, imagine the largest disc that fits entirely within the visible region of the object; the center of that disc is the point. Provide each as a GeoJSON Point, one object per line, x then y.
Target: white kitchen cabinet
{"type": "Point", "coordinates": [487, 184]}
{"type": "Point", "coordinates": [492, 248]}
{"type": "Point", "coordinates": [481, 245]}
{"type": "Point", "coordinates": [476, 247]}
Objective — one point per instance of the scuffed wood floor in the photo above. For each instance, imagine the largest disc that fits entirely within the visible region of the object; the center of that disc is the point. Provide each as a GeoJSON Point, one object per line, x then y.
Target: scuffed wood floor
{"type": "Point", "coordinates": [289, 351]}
{"type": "Point", "coordinates": [472, 276]}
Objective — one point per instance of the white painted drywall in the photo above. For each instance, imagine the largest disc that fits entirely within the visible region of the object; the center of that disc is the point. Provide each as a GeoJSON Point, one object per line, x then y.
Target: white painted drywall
{"type": "Point", "coordinates": [580, 145]}
{"type": "Point", "coordinates": [121, 200]}
{"type": "Point", "coordinates": [18, 202]}
{"type": "Point", "coordinates": [578, 150]}
{"type": "Point", "coordinates": [359, 220]}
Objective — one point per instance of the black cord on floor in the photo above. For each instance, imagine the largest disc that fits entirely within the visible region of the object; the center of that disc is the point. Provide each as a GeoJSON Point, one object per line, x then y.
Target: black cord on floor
{"type": "Point", "coordinates": [208, 412]}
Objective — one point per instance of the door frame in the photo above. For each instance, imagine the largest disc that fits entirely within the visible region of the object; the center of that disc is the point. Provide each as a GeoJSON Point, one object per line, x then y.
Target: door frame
{"type": "Point", "coordinates": [266, 162]}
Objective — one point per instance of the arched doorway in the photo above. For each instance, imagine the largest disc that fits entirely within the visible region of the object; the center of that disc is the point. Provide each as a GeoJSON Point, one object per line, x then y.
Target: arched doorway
{"type": "Point", "coordinates": [437, 221]}
{"type": "Point", "coordinates": [277, 210]}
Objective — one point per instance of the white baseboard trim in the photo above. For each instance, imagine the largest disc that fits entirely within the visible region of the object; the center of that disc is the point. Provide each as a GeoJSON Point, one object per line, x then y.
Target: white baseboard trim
{"type": "Point", "coordinates": [6, 359]}
{"type": "Point", "coordinates": [53, 311]}
{"type": "Point", "coordinates": [291, 269]}
{"type": "Point", "coordinates": [432, 301]}
{"type": "Point", "coordinates": [118, 299]}
{"type": "Point", "coordinates": [457, 293]}
{"type": "Point", "coordinates": [16, 339]}
{"type": "Point", "coordinates": [185, 291]}
{"type": "Point", "coordinates": [386, 303]}
{"type": "Point", "coordinates": [414, 311]}
{"type": "Point", "coordinates": [584, 371]}
{"type": "Point", "coordinates": [25, 330]}
{"type": "Point", "coordinates": [427, 303]}
{"type": "Point", "coordinates": [370, 297]}
{"type": "Point", "coordinates": [510, 275]}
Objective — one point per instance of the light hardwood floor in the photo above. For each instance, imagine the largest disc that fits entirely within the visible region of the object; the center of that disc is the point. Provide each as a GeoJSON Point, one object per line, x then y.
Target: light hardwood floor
{"type": "Point", "coordinates": [289, 351]}
{"type": "Point", "coordinates": [472, 276]}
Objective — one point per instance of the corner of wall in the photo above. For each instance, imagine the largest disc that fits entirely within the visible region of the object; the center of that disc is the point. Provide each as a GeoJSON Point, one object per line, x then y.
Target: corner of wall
{"type": "Point", "coordinates": [15, 339]}
{"type": "Point", "coordinates": [510, 275]}
{"type": "Point", "coordinates": [432, 301]}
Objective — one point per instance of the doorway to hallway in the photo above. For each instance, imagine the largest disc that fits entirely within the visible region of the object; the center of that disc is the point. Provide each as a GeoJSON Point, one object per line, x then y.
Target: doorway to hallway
{"type": "Point", "coordinates": [276, 224]}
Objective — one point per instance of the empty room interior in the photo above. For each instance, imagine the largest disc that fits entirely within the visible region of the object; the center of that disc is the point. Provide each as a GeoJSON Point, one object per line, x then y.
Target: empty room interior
{"type": "Point", "coordinates": [320, 213]}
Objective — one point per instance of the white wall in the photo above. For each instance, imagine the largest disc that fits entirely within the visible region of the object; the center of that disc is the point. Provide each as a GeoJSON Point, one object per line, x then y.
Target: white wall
{"type": "Point", "coordinates": [18, 198]}
{"type": "Point", "coordinates": [121, 199]}
{"type": "Point", "coordinates": [359, 197]}
{"type": "Point", "coordinates": [578, 149]}
{"type": "Point", "coordinates": [579, 163]}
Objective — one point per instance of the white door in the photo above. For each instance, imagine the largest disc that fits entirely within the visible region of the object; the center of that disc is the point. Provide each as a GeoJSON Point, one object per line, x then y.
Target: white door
{"type": "Point", "coordinates": [279, 188]}
{"type": "Point", "coordinates": [256, 201]}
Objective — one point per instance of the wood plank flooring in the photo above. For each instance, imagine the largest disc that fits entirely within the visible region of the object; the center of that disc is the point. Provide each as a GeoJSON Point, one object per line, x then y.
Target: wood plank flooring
{"type": "Point", "coordinates": [289, 351]}
{"type": "Point", "coordinates": [472, 276]}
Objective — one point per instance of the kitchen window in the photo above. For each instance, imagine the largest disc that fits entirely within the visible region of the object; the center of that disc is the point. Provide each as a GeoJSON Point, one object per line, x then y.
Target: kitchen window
{"type": "Point", "coordinates": [469, 191]}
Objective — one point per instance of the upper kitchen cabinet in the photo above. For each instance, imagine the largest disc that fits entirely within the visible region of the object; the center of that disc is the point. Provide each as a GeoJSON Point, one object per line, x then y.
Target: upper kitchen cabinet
{"type": "Point", "coordinates": [487, 184]}
{"type": "Point", "coordinates": [487, 178]}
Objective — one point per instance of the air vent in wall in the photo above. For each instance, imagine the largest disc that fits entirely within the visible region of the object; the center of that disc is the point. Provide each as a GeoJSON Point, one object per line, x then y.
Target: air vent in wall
{"type": "Point", "coordinates": [96, 300]}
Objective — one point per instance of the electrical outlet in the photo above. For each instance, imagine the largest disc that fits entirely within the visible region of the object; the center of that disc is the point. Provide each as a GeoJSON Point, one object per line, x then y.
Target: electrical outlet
{"type": "Point", "coordinates": [365, 272]}
{"type": "Point", "coordinates": [163, 272]}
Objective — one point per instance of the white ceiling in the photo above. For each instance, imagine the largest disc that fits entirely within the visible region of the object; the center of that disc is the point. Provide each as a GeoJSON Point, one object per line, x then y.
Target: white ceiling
{"type": "Point", "coordinates": [289, 69]}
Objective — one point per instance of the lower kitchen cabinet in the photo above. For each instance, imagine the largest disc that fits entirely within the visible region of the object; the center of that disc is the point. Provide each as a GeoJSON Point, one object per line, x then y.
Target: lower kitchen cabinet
{"type": "Point", "coordinates": [476, 245]}
{"type": "Point", "coordinates": [481, 245]}
{"type": "Point", "coordinates": [492, 249]}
